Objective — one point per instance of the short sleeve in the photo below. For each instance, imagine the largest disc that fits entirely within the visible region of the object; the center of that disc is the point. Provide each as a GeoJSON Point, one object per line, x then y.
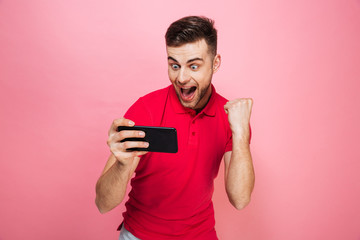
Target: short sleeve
{"type": "Point", "coordinates": [139, 113]}
{"type": "Point", "coordinates": [228, 146]}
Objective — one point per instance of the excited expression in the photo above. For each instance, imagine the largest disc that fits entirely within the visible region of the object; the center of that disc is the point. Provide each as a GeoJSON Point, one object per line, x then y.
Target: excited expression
{"type": "Point", "coordinates": [190, 69]}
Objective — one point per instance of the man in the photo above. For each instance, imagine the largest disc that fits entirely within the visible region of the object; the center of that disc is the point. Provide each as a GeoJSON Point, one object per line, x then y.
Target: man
{"type": "Point", "coordinates": [171, 193]}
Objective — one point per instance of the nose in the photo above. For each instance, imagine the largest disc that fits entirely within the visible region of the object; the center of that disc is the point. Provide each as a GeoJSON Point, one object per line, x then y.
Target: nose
{"type": "Point", "coordinates": [183, 77]}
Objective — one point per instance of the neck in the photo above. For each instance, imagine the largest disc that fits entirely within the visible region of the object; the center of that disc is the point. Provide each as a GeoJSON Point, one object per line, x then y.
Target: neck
{"type": "Point", "coordinates": [204, 100]}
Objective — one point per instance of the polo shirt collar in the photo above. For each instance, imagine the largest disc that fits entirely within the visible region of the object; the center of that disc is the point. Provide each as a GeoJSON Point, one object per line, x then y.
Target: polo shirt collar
{"type": "Point", "coordinates": [209, 109]}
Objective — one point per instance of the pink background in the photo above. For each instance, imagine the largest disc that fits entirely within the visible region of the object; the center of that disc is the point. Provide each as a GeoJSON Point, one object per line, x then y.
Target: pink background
{"type": "Point", "coordinates": [68, 68]}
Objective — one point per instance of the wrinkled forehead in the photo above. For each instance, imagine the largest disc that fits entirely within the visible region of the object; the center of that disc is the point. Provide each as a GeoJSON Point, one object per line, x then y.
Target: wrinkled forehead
{"type": "Point", "coordinates": [185, 52]}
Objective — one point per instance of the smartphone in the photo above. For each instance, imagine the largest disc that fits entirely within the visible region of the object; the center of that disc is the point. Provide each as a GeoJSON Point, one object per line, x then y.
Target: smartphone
{"type": "Point", "coordinates": [160, 139]}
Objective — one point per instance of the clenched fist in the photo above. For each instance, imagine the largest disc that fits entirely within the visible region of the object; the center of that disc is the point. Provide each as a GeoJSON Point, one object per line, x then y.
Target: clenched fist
{"type": "Point", "coordinates": [239, 112]}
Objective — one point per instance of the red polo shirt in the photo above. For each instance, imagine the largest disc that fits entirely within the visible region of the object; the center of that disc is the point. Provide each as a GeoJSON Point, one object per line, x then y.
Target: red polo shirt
{"type": "Point", "coordinates": [171, 193]}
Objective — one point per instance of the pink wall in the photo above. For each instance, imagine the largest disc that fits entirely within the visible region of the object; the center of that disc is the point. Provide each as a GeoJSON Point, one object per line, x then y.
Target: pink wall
{"type": "Point", "coordinates": [68, 68]}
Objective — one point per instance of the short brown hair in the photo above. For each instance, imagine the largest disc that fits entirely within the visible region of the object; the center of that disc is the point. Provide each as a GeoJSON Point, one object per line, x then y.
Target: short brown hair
{"type": "Point", "coordinates": [191, 29]}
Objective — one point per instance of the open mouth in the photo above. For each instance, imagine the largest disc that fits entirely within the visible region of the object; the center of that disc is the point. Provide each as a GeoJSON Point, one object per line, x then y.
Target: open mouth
{"type": "Point", "coordinates": [187, 93]}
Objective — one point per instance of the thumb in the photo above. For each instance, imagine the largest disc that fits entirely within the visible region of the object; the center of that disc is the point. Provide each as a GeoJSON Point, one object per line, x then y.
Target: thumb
{"type": "Point", "coordinates": [226, 108]}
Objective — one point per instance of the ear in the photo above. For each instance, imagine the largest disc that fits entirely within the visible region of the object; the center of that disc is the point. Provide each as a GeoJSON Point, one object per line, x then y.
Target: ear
{"type": "Point", "coordinates": [216, 63]}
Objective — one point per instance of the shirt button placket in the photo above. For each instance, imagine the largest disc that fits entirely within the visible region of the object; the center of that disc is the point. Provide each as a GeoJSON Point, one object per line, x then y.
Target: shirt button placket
{"type": "Point", "coordinates": [193, 135]}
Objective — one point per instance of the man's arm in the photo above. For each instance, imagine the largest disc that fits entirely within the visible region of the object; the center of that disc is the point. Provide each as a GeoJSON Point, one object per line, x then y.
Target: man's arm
{"type": "Point", "coordinates": [111, 186]}
{"type": "Point", "coordinates": [239, 170]}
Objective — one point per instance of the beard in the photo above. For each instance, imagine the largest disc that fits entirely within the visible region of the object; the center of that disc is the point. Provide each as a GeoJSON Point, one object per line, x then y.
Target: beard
{"type": "Point", "coordinates": [199, 101]}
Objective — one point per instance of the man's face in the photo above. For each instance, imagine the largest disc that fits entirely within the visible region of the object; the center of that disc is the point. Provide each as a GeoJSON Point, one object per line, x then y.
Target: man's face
{"type": "Point", "coordinates": [190, 69]}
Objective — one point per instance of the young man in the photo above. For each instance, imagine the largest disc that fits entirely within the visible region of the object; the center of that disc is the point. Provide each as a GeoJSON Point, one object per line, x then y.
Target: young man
{"type": "Point", "coordinates": [171, 193]}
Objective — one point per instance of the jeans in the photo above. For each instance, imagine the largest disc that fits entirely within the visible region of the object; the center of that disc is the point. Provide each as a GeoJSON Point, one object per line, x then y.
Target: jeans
{"type": "Point", "coordinates": [126, 235]}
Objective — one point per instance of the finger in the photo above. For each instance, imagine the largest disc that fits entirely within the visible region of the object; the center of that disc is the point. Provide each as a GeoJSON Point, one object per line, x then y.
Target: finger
{"type": "Point", "coordinates": [132, 154]}
{"type": "Point", "coordinates": [120, 122]}
{"type": "Point", "coordinates": [139, 153]}
{"type": "Point", "coordinates": [119, 136]}
{"type": "Point", "coordinates": [226, 107]}
{"type": "Point", "coordinates": [119, 149]}
{"type": "Point", "coordinates": [133, 144]}
{"type": "Point", "coordinates": [123, 122]}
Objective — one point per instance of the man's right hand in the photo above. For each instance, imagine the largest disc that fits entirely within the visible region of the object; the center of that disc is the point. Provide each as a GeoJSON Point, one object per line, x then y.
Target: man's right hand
{"type": "Point", "coordinates": [112, 184]}
{"type": "Point", "coordinates": [118, 148]}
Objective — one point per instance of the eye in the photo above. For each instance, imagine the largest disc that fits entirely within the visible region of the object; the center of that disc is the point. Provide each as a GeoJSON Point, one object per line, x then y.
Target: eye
{"type": "Point", "coordinates": [194, 67]}
{"type": "Point", "coordinates": [175, 66]}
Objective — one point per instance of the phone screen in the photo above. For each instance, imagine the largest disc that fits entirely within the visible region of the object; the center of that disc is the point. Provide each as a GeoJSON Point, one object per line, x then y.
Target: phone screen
{"type": "Point", "coordinates": [160, 139]}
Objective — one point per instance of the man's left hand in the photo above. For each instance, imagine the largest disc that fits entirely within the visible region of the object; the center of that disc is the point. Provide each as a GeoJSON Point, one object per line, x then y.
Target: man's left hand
{"type": "Point", "coordinates": [239, 112]}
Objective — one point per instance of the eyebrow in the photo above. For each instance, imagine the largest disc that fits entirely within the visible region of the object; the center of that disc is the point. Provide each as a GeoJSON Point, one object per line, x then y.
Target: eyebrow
{"type": "Point", "coordinates": [189, 61]}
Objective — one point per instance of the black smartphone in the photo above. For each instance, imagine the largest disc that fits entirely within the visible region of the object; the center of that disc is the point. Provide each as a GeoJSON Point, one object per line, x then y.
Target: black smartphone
{"type": "Point", "coordinates": [160, 139]}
